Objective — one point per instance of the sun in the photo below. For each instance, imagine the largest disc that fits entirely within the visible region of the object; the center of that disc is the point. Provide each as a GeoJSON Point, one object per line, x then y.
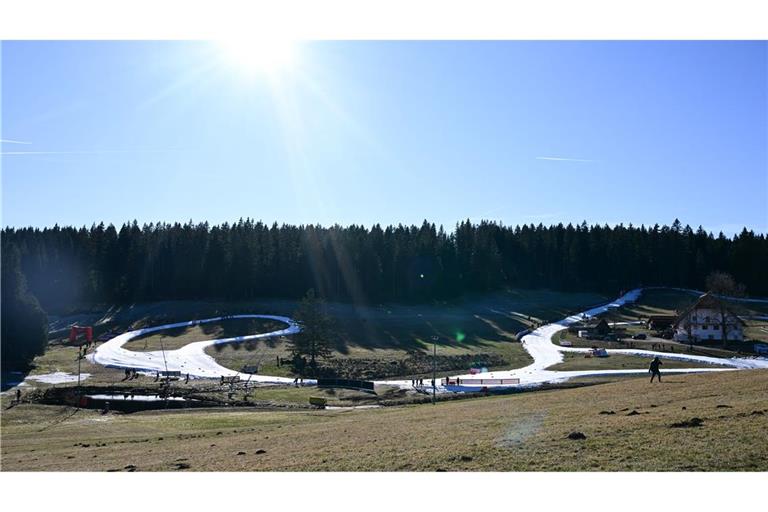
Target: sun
{"type": "Point", "coordinates": [253, 56]}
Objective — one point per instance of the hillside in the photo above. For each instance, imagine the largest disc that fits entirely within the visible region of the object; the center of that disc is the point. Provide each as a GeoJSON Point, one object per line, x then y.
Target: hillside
{"type": "Point", "coordinates": [629, 426]}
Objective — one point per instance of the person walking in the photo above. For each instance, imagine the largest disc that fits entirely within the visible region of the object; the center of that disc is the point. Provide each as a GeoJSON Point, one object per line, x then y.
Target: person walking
{"type": "Point", "coordinates": [653, 369]}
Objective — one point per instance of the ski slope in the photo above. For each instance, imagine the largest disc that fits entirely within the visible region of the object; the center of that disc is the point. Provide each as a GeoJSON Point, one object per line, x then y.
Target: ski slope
{"type": "Point", "coordinates": [191, 359]}
{"type": "Point", "coordinates": [546, 354]}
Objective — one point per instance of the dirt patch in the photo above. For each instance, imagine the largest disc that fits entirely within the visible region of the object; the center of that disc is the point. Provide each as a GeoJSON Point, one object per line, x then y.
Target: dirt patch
{"type": "Point", "coordinates": [693, 422]}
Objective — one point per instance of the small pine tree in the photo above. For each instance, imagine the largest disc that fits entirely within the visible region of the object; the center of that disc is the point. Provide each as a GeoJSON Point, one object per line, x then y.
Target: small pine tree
{"type": "Point", "coordinates": [314, 340]}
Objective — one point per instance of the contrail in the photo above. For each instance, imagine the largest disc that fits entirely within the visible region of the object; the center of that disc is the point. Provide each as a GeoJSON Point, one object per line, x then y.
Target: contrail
{"type": "Point", "coordinates": [87, 152]}
{"type": "Point", "coordinates": [559, 159]}
{"type": "Point", "coordinates": [9, 141]}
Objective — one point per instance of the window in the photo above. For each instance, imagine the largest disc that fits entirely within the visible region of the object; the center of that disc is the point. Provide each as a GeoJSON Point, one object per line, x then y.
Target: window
{"type": "Point", "coordinates": [705, 327]}
{"type": "Point", "coordinates": [706, 319]}
{"type": "Point", "coordinates": [711, 337]}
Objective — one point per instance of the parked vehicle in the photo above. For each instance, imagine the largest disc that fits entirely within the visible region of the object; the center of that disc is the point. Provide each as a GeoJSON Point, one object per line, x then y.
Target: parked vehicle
{"type": "Point", "coordinates": [639, 336]}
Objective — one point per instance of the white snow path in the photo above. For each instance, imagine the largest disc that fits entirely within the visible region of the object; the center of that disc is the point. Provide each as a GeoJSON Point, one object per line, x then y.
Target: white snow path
{"type": "Point", "coordinates": [545, 354]}
{"type": "Point", "coordinates": [57, 377]}
{"type": "Point", "coordinates": [190, 359]}
{"type": "Point", "coordinates": [193, 360]}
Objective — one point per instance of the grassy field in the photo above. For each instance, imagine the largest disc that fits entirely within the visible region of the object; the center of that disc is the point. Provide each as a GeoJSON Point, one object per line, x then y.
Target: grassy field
{"type": "Point", "coordinates": [629, 426]}
{"type": "Point", "coordinates": [172, 339]}
{"type": "Point", "coordinates": [376, 335]}
{"type": "Point", "coordinates": [619, 362]}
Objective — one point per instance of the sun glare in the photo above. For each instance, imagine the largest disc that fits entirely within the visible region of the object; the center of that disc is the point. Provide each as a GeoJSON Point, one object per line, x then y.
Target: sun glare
{"type": "Point", "coordinates": [271, 57]}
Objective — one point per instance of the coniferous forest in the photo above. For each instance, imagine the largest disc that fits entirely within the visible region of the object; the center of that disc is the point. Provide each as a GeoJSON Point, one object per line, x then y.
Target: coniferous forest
{"type": "Point", "coordinates": [66, 266]}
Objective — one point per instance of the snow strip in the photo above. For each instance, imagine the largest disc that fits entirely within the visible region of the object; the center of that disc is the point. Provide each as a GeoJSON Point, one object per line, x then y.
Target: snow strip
{"type": "Point", "coordinates": [136, 398]}
{"type": "Point", "coordinates": [545, 354]}
{"type": "Point", "coordinates": [190, 359]}
{"type": "Point", "coordinates": [57, 377]}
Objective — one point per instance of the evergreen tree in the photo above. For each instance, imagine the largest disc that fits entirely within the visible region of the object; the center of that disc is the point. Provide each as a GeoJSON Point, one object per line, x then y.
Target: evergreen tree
{"type": "Point", "coordinates": [315, 339]}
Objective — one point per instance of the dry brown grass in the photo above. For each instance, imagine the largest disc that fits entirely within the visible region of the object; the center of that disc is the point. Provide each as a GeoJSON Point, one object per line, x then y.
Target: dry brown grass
{"type": "Point", "coordinates": [620, 361]}
{"type": "Point", "coordinates": [519, 432]}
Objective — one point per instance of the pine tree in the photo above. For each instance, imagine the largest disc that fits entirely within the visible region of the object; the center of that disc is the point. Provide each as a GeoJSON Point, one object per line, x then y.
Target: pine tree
{"type": "Point", "coordinates": [315, 339]}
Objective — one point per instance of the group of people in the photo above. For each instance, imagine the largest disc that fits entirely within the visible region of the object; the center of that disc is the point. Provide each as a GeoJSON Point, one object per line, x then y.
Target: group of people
{"type": "Point", "coordinates": [131, 373]}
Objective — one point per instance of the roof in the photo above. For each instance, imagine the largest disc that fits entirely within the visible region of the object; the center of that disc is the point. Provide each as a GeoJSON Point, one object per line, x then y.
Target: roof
{"type": "Point", "coordinates": [708, 301]}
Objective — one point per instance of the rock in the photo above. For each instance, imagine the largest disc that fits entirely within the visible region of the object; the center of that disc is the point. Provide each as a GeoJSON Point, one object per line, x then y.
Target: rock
{"type": "Point", "coordinates": [576, 436]}
{"type": "Point", "coordinates": [260, 451]}
{"type": "Point", "coordinates": [723, 406]}
{"type": "Point", "coordinates": [241, 453]}
{"type": "Point", "coordinates": [130, 466]}
{"type": "Point", "coordinates": [633, 413]}
{"type": "Point", "coordinates": [757, 413]}
{"type": "Point", "coordinates": [607, 412]}
{"type": "Point", "coordinates": [465, 458]}
{"type": "Point", "coordinates": [182, 465]}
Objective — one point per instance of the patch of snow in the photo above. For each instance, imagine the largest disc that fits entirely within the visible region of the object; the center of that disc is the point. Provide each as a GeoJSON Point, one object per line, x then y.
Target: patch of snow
{"type": "Point", "coordinates": [58, 377]}
{"type": "Point", "coordinates": [137, 398]}
{"type": "Point", "coordinates": [350, 407]}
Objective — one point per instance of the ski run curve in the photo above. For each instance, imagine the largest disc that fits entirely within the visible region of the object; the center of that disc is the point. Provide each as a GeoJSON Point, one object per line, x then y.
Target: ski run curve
{"type": "Point", "coordinates": [191, 359]}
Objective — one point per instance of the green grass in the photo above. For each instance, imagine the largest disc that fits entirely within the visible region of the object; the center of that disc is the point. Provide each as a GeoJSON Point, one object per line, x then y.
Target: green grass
{"type": "Point", "coordinates": [620, 362]}
{"type": "Point", "coordinates": [523, 432]}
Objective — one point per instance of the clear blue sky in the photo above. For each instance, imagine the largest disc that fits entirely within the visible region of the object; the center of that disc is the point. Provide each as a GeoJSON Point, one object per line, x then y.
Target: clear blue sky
{"type": "Point", "coordinates": [387, 132]}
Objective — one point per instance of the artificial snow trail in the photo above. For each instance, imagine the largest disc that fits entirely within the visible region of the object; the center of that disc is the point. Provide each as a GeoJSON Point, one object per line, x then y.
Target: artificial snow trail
{"type": "Point", "coordinates": [191, 359]}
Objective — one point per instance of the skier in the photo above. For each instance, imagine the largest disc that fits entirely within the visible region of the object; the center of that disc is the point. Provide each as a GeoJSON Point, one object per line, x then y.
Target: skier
{"type": "Point", "coordinates": [653, 369]}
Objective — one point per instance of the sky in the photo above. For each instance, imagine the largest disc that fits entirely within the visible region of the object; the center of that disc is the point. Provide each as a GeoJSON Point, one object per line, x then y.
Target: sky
{"type": "Point", "coordinates": [385, 132]}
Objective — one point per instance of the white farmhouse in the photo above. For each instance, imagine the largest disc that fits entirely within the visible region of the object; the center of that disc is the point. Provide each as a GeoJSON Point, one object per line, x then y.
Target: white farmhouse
{"type": "Point", "coordinates": [702, 321]}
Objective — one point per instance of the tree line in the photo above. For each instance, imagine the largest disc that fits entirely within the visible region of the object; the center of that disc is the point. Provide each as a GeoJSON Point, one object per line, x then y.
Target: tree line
{"type": "Point", "coordinates": [24, 323]}
{"type": "Point", "coordinates": [67, 266]}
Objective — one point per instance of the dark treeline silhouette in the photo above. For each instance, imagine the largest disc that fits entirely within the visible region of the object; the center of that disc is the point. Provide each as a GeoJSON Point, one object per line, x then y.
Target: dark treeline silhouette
{"type": "Point", "coordinates": [69, 266]}
{"type": "Point", "coordinates": [24, 324]}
